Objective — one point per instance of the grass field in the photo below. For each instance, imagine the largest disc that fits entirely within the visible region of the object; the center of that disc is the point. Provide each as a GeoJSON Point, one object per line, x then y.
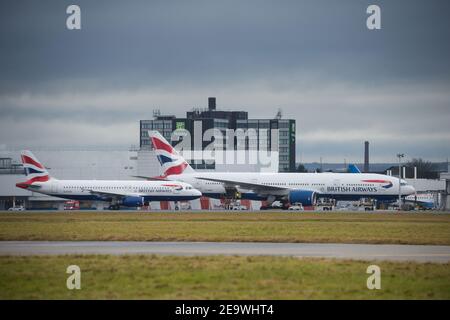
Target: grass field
{"type": "Point", "coordinates": [218, 277]}
{"type": "Point", "coordinates": [396, 228]}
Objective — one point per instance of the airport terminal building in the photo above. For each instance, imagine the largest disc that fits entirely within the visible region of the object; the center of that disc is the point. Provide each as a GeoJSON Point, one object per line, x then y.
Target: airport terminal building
{"type": "Point", "coordinates": [212, 118]}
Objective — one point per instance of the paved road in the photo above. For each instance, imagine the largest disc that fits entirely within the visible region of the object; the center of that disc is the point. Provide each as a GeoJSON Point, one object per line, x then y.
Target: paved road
{"type": "Point", "coordinates": [323, 250]}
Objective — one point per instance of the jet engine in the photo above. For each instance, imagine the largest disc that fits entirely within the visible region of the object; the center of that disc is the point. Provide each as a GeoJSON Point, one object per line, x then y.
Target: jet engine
{"type": "Point", "coordinates": [133, 201]}
{"type": "Point", "coordinates": [305, 197]}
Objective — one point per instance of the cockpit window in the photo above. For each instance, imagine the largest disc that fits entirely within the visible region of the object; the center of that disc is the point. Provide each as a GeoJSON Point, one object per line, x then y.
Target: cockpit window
{"type": "Point", "coordinates": [403, 183]}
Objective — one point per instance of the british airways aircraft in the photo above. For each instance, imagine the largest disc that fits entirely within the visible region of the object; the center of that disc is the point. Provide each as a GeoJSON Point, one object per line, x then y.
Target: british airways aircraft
{"type": "Point", "coordinates": [302, 188]}
{"type": "Point", "coordinates": [116, 192]}
{"type": "Point", "coordinates": [423, 200]}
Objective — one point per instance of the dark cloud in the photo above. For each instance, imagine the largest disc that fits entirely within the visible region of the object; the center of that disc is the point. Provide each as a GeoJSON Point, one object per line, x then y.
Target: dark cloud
{"type": "Point", "coordinates": [315, 59]}
{"type": "Point", "coordinates": [127, 44]}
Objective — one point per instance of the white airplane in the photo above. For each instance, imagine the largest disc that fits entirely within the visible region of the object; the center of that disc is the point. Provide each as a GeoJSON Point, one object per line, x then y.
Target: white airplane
{"type": "Point", "coordinates": [116, 192]}
{"type": "Point", "coordinates": [424, 200]}
{"type": "Point", "coordinates": [287, 187]}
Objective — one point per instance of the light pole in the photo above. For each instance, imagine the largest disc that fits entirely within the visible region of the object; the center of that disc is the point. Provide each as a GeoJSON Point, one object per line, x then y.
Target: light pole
{"type": "Point", "coordinates": [400, 156]}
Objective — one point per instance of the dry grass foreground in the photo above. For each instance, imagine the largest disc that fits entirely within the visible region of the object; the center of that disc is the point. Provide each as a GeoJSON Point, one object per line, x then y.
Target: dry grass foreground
{"type": "Point", "coordinates": [216, 277]}
{"type": "Point", "coordinates": [395, 228]}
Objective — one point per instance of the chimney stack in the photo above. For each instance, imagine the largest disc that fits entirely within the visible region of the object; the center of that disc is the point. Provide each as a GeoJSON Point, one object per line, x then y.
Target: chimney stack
{"type": "Point", "coordinates": [212, 103]}
{"type": "Point", "coordinates": [366, 156]}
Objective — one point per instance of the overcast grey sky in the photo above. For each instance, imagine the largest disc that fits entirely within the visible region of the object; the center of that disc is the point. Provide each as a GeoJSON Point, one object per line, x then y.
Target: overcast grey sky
{"type": "Point", "coordinates": [315, 59]}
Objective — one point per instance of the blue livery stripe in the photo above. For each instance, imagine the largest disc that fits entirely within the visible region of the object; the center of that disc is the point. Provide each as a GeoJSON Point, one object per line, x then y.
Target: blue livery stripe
{"type": "Point", "coordinates": [29, 171]}
{"type": "Point", "coordinates": [163, 159]}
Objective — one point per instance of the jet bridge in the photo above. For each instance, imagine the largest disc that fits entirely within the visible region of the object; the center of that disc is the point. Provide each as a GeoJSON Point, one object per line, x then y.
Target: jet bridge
{"type": "Point", "coordinates": [445, 196]}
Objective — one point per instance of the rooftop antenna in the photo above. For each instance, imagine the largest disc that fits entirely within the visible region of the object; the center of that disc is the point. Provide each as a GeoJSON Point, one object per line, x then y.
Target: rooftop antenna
{"type": "Point", "coordinates": [279, 114]}
{"type": "Point", "coordinates": [156, 113]}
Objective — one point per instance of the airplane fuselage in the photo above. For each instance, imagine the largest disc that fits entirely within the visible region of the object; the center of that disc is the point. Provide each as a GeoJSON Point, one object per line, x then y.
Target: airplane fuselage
{"type": "Point", "coordinates": [424, 200]}
{"type": "Point", "coordinates": [340, 186]}
{"type": "Point", "coordinates": [107, 190]}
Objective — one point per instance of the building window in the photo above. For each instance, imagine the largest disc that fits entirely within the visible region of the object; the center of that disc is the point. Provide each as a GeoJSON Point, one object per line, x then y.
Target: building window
{"type": "Point", "coordinates": [241, 124]}
{"type": "Point", "coordinates": [167, 125]}
{"type": "Point", "coordinates": [253, 124]}
{"type": "Point", "coordinates": [283, 124]}
{"type": "Point", "coordinates": [264, 124]}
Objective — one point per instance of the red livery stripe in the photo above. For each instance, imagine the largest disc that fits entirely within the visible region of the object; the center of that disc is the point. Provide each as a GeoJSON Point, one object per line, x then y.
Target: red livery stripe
{"type": "Point", "coordinates": [22, 185]}
{"type": "Point", "coordinates": [376, 181]}
{"type": "Point", "coordinates": [28, 160]}
{"type": "Point", "coordinates": [176, 169]}
{"type": "Point", "coordinates": [26, 184]}
{"type": "Point", "coordinates": [38, 179]}
{"type": "Point", "coordinates": [158, 144]}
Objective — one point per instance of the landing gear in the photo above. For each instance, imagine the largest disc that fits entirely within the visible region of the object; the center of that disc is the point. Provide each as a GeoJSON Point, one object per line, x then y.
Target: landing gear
{"type": "Point", "coordinates": [114, 207]}
{"type": "Point", "coordinates": [270, 200]}
{"type": "Point", "coordinates": [177, 207]}
{"type": "Point", "coordinates": [230, 200]}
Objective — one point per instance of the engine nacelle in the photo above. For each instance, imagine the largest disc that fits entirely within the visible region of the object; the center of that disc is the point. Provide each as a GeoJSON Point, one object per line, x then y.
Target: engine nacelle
{"type": "Point", "coordinates": [305, 197]}
{"type": "Point", "coordinates": [133, 201]}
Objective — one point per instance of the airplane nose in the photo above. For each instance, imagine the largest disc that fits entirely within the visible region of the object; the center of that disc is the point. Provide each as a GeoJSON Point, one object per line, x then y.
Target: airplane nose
{"type": "Point", "coordinates": [409, 190]}
{"type": "Point", "coordinates": [197, 193]}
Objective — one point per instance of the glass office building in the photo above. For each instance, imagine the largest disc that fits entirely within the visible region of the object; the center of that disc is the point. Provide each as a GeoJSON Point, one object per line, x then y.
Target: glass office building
{"type": "Point", "coordinates": [258, 132]}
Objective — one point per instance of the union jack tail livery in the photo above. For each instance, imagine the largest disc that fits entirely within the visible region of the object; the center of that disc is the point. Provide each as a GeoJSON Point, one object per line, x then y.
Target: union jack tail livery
{"type": "Point", "coordinates": [34, 170]}
{"type": "Point", "coordinates": [171, 161]}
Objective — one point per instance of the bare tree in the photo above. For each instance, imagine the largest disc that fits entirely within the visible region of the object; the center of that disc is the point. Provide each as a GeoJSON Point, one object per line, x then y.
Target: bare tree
{"type": "Point", "coordinates": [425, 169]}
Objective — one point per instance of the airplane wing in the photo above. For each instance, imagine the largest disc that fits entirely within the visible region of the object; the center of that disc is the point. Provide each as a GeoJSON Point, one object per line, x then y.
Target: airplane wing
{"type": "Point", "coordinates": [259, 188]}
{"type": "Point", "coordinates": [151, 178]}
{"type": "Point", "coordinates": [112, 194]}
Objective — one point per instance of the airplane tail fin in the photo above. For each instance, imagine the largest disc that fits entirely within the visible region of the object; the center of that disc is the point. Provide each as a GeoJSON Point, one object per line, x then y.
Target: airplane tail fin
{"type": "Point", "coordinates": [353, 168]}
{"type": "Point", "coordinates": [171, 161]}
{"type": "Point", "coordinates": [34, 170]}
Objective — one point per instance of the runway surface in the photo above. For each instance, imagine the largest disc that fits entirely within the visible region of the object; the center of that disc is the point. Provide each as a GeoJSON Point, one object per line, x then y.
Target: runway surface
{"type": "Point", "coordinates": [418, 253]}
